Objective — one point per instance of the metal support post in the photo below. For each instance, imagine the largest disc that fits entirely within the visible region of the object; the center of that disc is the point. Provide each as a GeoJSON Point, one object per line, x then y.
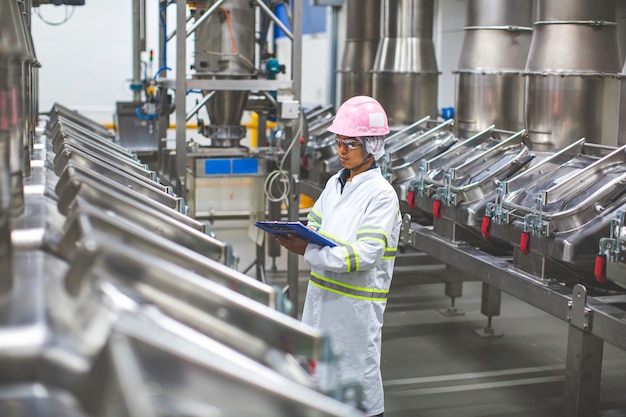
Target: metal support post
{"type": "Point", "coordinates": [139, 44]}
{"type": "Point", "coordinates": [181, 88]}
{"type": "Point", "coordinates": [583, 366]}
{"type": "Point", "coordinates": [453, 290]}
{"type": "Point", "coordinates": [490, 306]}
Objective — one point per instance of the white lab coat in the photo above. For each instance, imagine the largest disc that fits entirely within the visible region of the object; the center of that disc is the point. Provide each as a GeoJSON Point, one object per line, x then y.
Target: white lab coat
{"type": "Point", "coordinates": [346, 296]}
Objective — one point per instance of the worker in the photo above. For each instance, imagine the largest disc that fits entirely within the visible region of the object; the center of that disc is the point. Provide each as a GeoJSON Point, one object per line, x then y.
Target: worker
{"type": "Point", "coordinates": [348, 286]}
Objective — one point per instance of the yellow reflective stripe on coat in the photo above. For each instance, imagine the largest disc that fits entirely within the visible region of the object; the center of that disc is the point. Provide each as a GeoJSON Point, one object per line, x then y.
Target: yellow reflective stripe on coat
{"type": "Point", "coordinates": [314, 219]}
{"type": "Point", "coordinates": [352, 259]}
{"type": "Point", "coordinates": [347, 290]}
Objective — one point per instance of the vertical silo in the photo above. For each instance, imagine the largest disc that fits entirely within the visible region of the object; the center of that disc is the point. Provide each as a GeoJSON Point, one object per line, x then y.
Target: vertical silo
{"type": "Point", "coordinates": [489, 83]}
{"type": "Point", "coordinates": [572, 74]}
{"type": "Point", "coordinates": [405, 74]}
{"type": "Point", "coordinates": [362, 35]}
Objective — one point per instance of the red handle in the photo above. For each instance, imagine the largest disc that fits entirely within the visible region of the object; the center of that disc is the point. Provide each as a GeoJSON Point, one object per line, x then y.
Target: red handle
{"type": "Point", "coordinates": [437, 209]}
{"type": "Point", "coordinates": [410, 199]}
{"type": "Point", "coordinates": [486, 227]}
{"type": "Point", "coordinates": [599, 269]}
{"type": "Point", "coordinates": [524, 243]}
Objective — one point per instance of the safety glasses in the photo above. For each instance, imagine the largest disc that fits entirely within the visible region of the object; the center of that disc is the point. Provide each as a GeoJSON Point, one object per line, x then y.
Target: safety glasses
{"type": "Point", "coordinates": [350, 143]}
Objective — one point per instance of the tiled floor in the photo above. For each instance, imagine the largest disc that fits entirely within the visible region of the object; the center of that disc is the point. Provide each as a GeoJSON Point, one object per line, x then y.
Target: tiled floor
{"type": "Point", "coordinates": [435, 365]}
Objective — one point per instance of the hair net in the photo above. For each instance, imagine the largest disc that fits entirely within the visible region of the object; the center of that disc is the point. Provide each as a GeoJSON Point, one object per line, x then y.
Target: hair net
{"type": "Point", "coordinates": [374, 145]}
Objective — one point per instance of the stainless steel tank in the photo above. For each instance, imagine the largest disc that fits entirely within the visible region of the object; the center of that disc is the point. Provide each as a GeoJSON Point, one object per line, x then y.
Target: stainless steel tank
{"type": "Point", "coordinates": [224, 49]}
{"type": "Point", "coordinates": [405, 74]}
{"type": "Point", "coordinates": [362, 35]}
{"type": "Point", "coordinates": [572, 74]}
{"type": "Point", "coordinates": [489, 84]}
{"type": "Point", "coordinates": [13, 52]}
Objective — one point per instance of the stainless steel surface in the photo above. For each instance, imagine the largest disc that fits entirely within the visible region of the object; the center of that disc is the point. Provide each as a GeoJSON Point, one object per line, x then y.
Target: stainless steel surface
{"type": "Point", "coordinates": [6, 250]}
{"type": "Point", "coordinates": [37, 400]}
{"type": "Point", "coordinates": [224, 49]}
{"type": "Point", "coordinates": [93, 143]}
{"type": "Point", "coordinates": [489, 84]}
{"type": "Point", "coordinates": [422, 140]}
{"type": "Point", "coordinates": [210, 374]}
{"type": "Point", "coordinates": [566, 190]}
{"type": "Point", "coordinates": [362, 36]}
{"type": "Point", "coordinates": [405, 74]}
{"type": "Point", "coordinates": [499, 13]}
{"type": "Point", "coordinates": [470, 169]}
{"type": "Point", "coordinates": [209, 307]}
{"type": "Point", "coordinates": [574, 58]}
{"type": "Point", "coordinates": [60, 113]}
{"type": "Point", "coordinates": [187, 247]}
{"type": "Point", "coordinates": [591, 320]}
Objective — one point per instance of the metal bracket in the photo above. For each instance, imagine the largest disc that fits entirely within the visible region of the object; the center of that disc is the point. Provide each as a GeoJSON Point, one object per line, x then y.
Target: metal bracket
{"type": "Point", "coordinates": [578, 314]}
{"type": "Point", "coordinates": [405, 230]}
{"type": "Point", "coordinates": [495, 210]}
{"type": "Point", "coordinates": [613, 245]}
{"type": "Point", "coordinates": [533, 222]}
{"type": "Point", "coordinates": [421, 173]}
{"type": "Point", "coordinates": [445, 194]}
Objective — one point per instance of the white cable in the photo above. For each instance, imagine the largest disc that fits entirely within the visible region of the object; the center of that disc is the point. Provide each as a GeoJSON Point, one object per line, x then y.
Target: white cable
{"type": "Point", "coordinates": [47, 22]}
{"type": "Point", "coordinates": [280, 174]}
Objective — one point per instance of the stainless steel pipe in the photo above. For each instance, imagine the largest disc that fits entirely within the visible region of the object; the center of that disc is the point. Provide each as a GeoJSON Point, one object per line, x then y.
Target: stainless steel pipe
{"type": "Point", "coordinates": [405, 74]}
{"type": "Point", "coordinates": [362, 35]}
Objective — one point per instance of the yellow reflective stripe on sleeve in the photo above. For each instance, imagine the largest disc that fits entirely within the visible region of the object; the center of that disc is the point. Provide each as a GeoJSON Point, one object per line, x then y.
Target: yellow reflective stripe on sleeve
{"type": "Point", "coordinates": [347, 290]}
{"type": "Point", "coordinates": [373, 235]}
{"type": "Point", "coordinates": [390, 254]}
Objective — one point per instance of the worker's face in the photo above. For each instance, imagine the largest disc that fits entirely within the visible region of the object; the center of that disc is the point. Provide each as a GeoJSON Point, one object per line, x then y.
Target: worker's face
{"type": "Point", "coordinates": [350, 151]}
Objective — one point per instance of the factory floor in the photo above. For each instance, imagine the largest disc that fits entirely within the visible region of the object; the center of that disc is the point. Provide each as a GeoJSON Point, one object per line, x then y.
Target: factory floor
{"type": "Point", "coordinates": [437, 365]}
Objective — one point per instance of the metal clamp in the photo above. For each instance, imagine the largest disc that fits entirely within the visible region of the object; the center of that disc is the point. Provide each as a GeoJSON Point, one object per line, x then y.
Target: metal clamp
{"type": "Point", "coordinates": [612, 245]}
{"type": "Point", "coordinates": [495, 211]}
{"type": "Point", "coordinates": [578, 314]}
{"type": "Point", "coordinates": [533, 222]}
{"type": "Point", "coordinates": [421, 174]}
{"type": "Point", "coordinates": [445, 194]}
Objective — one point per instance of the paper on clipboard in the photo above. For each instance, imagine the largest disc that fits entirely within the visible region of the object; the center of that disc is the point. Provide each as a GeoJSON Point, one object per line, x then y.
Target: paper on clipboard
{"type": "Point", "coordinates": [296, 228]}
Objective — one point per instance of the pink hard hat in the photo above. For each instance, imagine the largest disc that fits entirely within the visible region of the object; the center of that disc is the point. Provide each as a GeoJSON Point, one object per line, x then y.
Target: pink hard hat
{"type": "Point", "coordinates": [360, 116]}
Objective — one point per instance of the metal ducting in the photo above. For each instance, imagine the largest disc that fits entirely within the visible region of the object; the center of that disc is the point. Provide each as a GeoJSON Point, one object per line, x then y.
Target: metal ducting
{"type": "Point", "coordinates": [362, 35]}
{"type": "Point", "coordinates": [405, 74]}
{"type": "Point", "coordinates": [572, 74]}
{"type": "Point", "coordinates": [489, 84]}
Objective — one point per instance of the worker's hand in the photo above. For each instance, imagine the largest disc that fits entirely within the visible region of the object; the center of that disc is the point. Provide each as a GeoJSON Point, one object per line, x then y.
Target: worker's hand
{"type": "Point", "coordinates": [292, 243]}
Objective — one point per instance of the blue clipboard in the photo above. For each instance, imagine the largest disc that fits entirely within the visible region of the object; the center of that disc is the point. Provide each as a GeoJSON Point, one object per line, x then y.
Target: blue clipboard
{"type": "Point", "coordinates": [296, 228]}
